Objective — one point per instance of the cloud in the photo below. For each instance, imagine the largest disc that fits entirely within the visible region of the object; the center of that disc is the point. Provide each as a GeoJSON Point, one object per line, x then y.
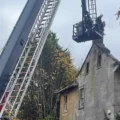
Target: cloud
{"type": "Point", "coordinates": [68, 14]}
{"type": "Point", "coordinates": [9, 13]}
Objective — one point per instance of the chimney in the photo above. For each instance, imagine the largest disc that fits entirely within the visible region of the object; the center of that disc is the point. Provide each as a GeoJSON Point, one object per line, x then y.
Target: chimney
{"type": "Point", "coordinates": [101, 45]}
{"type": "Point", "coordinates": [99, 41]}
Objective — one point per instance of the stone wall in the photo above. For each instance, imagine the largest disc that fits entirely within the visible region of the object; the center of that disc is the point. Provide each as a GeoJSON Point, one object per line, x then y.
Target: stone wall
{"type": "Point", "coordinates": [99, 87]}
{"type": "Point", "coordinates": [117, 91]}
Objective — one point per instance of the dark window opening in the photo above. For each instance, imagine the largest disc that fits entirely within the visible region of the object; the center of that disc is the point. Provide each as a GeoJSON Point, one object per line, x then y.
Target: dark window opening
{"type": "Point", "coordinates": [82, 98]}
{"type": "Point", "coordinates": [22, 42]}
{"type": "Point", "coordinates": [87, 67]}
{"type": "Point", "coordinates": [65, 103]}
{"type": "Point", "coordinates": [99, 61]}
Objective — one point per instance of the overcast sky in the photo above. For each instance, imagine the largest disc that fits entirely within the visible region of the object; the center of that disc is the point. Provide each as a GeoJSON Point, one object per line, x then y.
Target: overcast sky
{"type": "Point", "coordinates": [68, 14]}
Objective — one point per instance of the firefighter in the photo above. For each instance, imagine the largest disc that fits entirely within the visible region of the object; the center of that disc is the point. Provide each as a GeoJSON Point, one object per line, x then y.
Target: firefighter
{"type": "Point", "coordinates": [99, 19]}
{"type": "Point", "coordinates": [89, 23]}
{"type": "Point", "coordinates": [100, 24]}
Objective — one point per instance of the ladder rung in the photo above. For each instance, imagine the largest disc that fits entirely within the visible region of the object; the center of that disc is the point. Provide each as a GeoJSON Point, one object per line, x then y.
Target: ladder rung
{"type": "Point", "coordinates": [50, 4]}
{"type": "Point", "coordinates": [20, 78]}
{"type": "Point", "coordinates": [12, 96]}
{"type": "Point", "coordinates": [27, 61]}
{"type": "Point", "coordinates": [2, 104]}
{"type": "Point", "coordinates": [21, 67]}
{"type": "Point", "coordinates": [92, 13]}
{"type": "Point", "coordinates": [19, 90]}
{"type": "Point", "coordinates": [49, 8]}
{"type": "Point", "coordinates": [23, 78]}
{"type": "Point", "coordinates": [50, 1]}
{"type": "Point", "coordinates": [32, 51]}
{"type": "Point", "coordinates": [92, 9]}
{"type": "Point", "coordinates": [23, 57]}
{"type": "Point", "coordinates": [45, 16]}
{"type": "Point", "coordinates": [47, 12]}
{"type": "Point", "coordinates": [16, 90]}
{"type": "Point", "coordinates": [17, 102]}
{"type": "Point", "coordinates": [17, 84]}
{"type": "Point", "coordinates": [22, 72]}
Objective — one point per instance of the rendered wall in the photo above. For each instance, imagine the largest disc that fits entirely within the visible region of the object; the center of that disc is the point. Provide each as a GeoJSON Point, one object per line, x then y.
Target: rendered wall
{"type": "Point", "coordinates": [117, 91]}
{"type": "Point", "coordinates": [99, 87]}
{"type": "Point", "coordinates": [72, 104]}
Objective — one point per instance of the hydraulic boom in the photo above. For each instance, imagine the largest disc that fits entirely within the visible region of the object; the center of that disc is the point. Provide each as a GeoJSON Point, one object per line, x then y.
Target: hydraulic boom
{"type": "Point", "coordinates": [91, 27]}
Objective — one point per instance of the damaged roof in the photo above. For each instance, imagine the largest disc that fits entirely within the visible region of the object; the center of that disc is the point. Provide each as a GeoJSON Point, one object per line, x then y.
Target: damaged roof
{"type": "Point", "coordinates": [105, 50]}
{"type": "Point", "coordinates": [73, 85]}
{"type": "Point", "coordinates": [102, 47]}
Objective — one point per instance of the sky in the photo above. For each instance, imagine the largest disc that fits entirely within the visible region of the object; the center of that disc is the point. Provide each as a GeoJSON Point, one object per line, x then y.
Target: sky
{"type": "Point", "coordinates": [69, 13]}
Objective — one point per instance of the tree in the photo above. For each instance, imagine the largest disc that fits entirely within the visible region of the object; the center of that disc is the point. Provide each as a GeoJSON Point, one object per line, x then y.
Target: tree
{"type": "Point", "coordinates": [118, 15]}
{"type": "Point", "coordinates": [54, 70]}
{"type": "Point", "coordinates": [29, 109]}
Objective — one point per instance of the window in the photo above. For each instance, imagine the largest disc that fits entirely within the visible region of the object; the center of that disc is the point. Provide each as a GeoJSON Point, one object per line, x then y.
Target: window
{"type": "Point", "coordinates": [87, 67]}
{"type": "Point", "coordinates": [82, 98]}
{"type": "Point", "coordinates": [65, 103]}
{"type": "Point", "coordinates": [22, 42]}
{"type": "Point", "coordinates": [99, 60]}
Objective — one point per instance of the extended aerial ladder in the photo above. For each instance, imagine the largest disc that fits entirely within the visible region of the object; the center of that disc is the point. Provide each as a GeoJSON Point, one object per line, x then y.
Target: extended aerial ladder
{"type": "Point", "coordinates": [24, 69]}
{"type": "Point", "coordinates": [23, 49]}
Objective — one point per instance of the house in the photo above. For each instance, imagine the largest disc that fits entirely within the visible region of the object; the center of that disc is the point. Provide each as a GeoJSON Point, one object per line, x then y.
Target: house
{"type": "Point", "coordinates": [68, 103]}
{"type": "Point", "coordinates": [98, 90]}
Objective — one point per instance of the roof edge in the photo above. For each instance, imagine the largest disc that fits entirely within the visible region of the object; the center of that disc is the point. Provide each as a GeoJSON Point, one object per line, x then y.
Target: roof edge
{"type": "Point", "coordinates": [104, 49]}
{"type": "Point", "coordinates": [73, 85]}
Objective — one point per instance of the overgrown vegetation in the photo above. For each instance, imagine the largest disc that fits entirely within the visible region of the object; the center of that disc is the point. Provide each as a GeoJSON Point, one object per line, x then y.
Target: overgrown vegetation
{"type": "Point", "coordinates": [117, 117]}
{"type": "Point", "coordinates": [54, 71]}
{"type": "Point", "coordinates": [118, 15]}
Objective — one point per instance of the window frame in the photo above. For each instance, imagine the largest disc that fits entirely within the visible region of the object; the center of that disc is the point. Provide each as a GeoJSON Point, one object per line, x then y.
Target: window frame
{"type": "Point", "coordinates": [87, 67]}
{"type": "Point", "coordinates": [99, 60]}
{"type": "Point", "coordinates": [82, 98]}
{"type": "Point", "coordinates": [65, 102]}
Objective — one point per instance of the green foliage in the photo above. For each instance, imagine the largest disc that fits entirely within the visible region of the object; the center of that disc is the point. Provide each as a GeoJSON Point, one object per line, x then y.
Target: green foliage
{"type": "Point", "coordinates": [49, 117]}
{"type": "Point", "coordinates": [29, 109]}
{"type": "Point", "coordinates": [118, 15]}
{"type": "Point", "coordinates": [54, 70]}
{"type": "Point", "coordinates": [117, 117]}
